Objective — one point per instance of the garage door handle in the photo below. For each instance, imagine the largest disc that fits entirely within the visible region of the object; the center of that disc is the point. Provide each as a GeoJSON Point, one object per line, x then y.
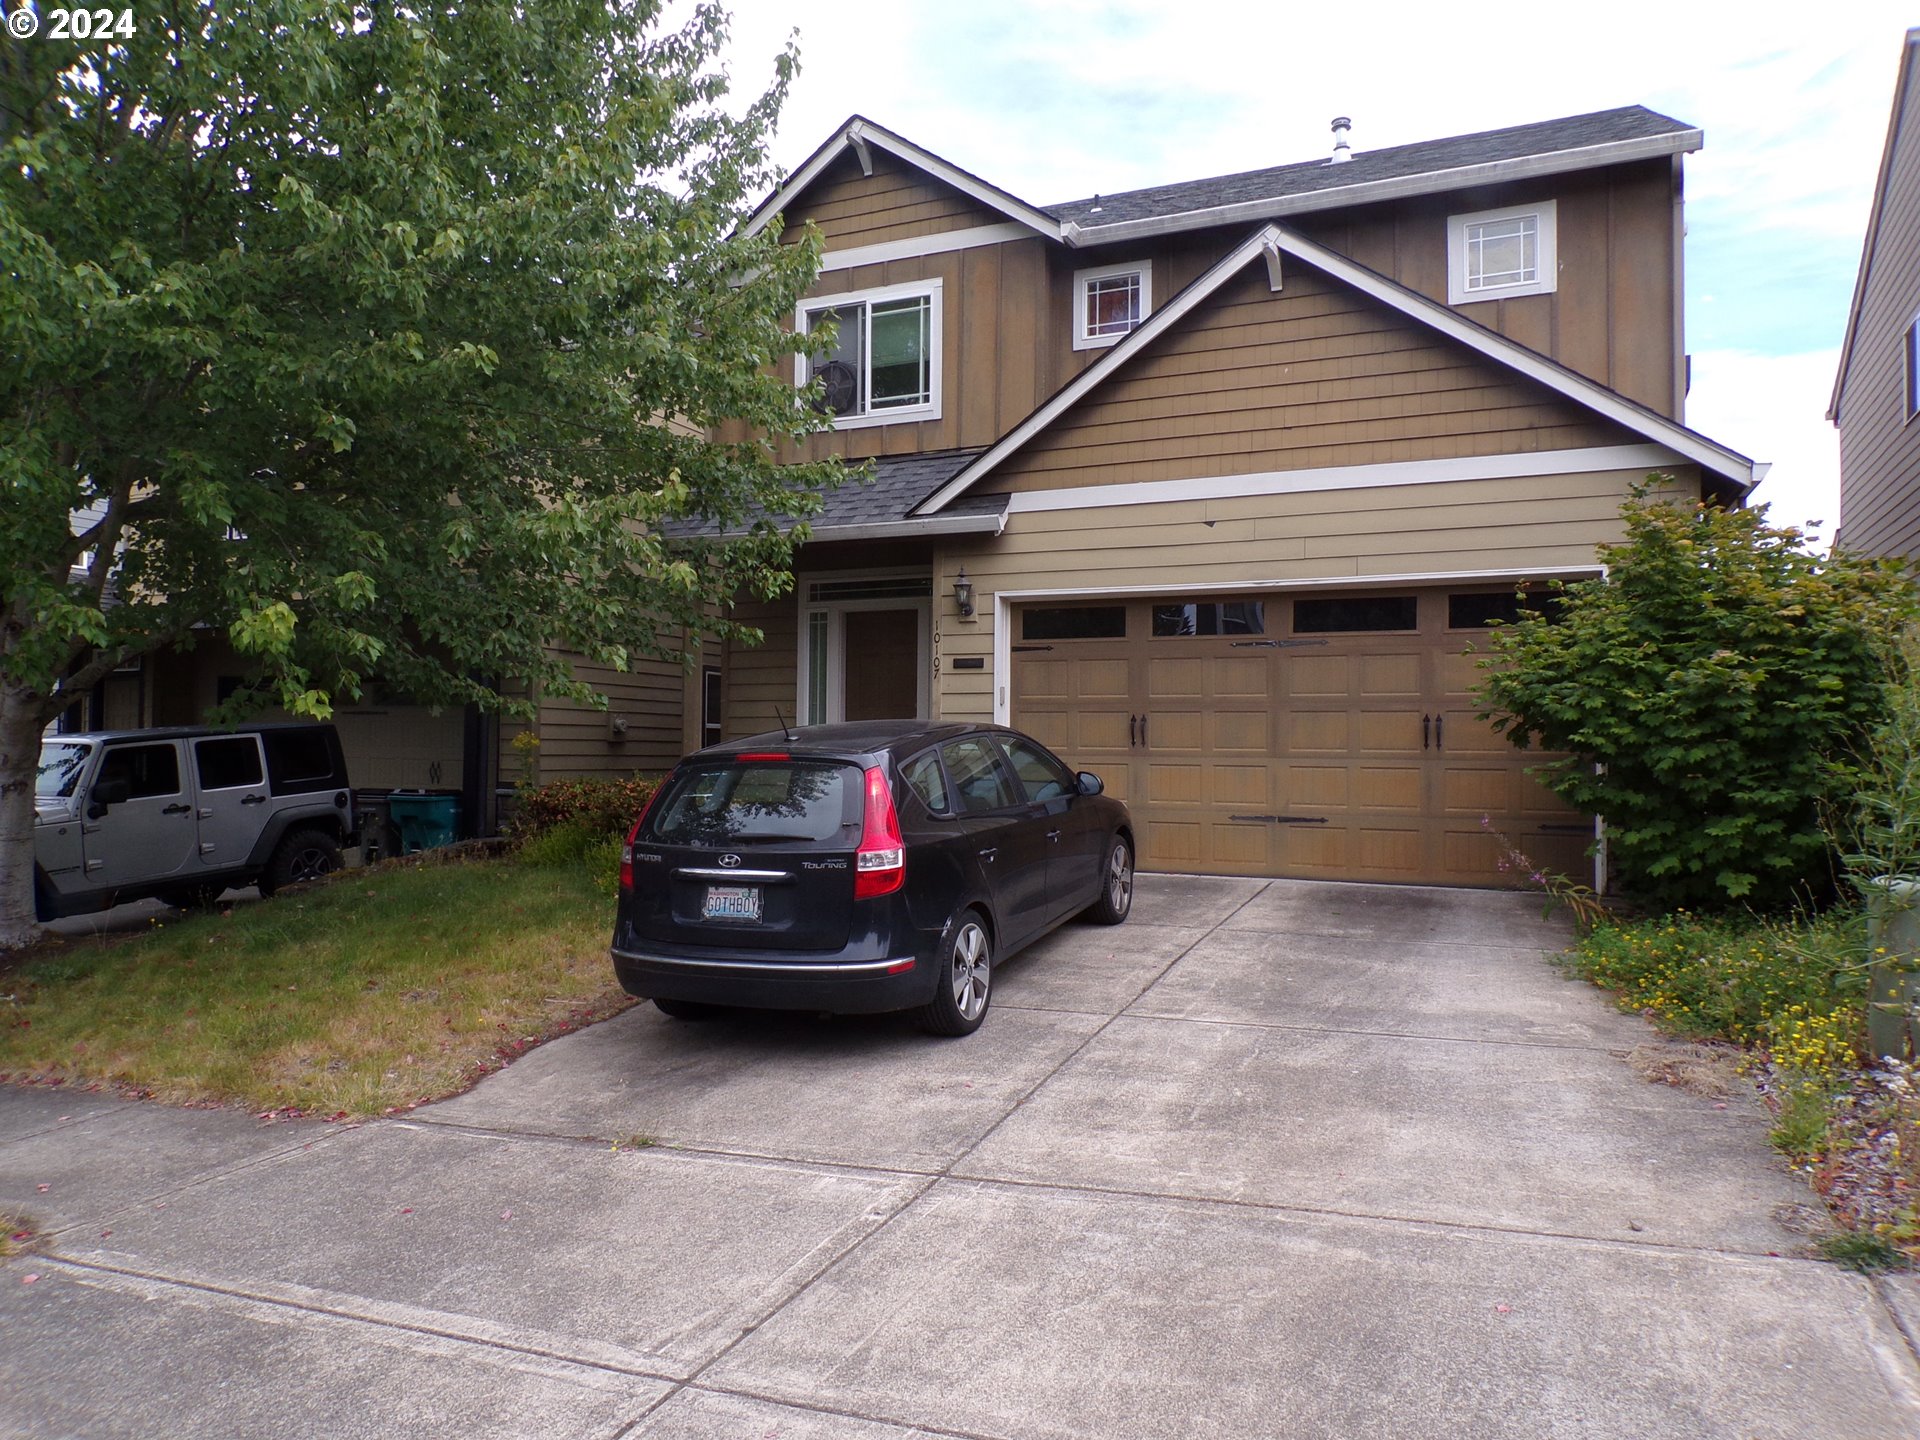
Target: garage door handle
{"type": "Point", "coordinates": [1143, 732]}
{"type": "Point", "coordinates": [1133, 731]}
{"type": "Point", "coordinates": [1425, 722]}
{"type": "Point", "coordinates": [1438, 721]}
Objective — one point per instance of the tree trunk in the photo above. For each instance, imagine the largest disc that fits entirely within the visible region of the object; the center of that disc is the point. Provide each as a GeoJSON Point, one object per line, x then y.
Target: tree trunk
{"type": "Point", "coordinates": [21, 713]}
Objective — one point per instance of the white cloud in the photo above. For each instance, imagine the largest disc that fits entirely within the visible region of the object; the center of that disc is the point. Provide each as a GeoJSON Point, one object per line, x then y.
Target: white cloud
{"type": "Point", "coordinates": [1773, 408]}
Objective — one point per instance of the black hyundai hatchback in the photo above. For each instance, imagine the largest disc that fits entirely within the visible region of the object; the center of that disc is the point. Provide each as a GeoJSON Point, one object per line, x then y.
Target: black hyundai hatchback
{"type": "Point", "coordinates": [885, 865]}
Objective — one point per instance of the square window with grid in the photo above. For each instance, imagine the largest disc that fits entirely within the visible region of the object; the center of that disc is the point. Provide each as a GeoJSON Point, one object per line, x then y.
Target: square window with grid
{"type": "Point", "coordinates": [1110, 303]}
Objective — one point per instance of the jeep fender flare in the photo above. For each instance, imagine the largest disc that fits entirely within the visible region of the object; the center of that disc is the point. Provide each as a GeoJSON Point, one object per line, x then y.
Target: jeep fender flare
{"type": "Point", "coordinates": [276, 830]}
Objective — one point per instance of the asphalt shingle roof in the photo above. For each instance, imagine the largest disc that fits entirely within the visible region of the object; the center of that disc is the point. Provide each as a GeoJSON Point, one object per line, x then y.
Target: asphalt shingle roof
{"type": "Point", "coordinates": [1516, 142]}
{"type": "Point", "coordinates": [899, 483]}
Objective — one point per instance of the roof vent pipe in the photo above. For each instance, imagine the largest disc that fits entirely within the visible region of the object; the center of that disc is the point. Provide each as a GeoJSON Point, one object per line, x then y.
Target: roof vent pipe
{"type": "Point", "coordinates": [1342, 152]}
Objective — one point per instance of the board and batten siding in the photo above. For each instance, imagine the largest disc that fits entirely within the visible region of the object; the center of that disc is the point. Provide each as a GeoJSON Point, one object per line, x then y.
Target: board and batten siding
{"type": "Point", "coordinates": [1315, 376]}
{"type": "Point", "coordinates": [1537, 525]}
{"type": "Point", "coordinates": [1879, 443]}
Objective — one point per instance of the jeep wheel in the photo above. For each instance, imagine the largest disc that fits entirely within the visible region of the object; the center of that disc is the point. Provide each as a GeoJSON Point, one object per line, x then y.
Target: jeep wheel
{"type": "Point", "coordinates": [304, 855]}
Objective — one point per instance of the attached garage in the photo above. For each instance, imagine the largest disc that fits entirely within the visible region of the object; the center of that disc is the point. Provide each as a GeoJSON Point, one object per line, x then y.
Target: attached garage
{"type": "Point", "coordinates": [1311, 733]}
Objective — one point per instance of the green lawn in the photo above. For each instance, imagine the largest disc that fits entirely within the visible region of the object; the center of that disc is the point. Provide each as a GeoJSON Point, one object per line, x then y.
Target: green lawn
{"type": "Point", "coordinates": [381, 989]}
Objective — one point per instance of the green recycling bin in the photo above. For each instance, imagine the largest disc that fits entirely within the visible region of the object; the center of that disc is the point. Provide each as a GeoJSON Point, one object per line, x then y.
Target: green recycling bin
{"type": "Point", "coordinates": [425, 819]}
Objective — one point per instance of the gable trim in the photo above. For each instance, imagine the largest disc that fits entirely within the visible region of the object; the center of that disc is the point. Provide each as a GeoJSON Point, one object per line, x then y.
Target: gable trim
{"type": "Point", "coordinates": [1688, 444]}
{"type": "Point", "coordinates": [1590, 460]}
{"type": "Point", "coordinates": [861, 136]}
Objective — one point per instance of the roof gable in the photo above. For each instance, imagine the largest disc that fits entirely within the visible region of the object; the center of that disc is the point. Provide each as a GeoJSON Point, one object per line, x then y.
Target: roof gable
{"type": "Point", "coordinates": [1272, 245]}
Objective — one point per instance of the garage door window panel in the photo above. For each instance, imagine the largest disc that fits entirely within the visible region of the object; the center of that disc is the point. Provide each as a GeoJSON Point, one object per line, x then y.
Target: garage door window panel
{"type": "Point", "coordinates": [1074, 622]}
{"type": "Point", "coordinates": [1210, 617]}
{"type": "Point", "coordinates": [1356, 614]}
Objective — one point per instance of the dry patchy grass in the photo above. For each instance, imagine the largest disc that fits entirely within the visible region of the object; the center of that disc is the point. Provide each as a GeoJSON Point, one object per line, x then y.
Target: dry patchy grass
{"type": "Point", "coordinates": [379, 990]}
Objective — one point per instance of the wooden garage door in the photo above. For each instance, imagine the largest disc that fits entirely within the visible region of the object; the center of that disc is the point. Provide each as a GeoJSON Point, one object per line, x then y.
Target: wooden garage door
{"type": "Point", "coordinates": [1314, 736]}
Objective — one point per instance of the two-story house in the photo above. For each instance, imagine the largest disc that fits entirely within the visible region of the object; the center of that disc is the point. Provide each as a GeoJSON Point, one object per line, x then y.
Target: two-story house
{"type": "Point", "coordinates": [1212, 486]}
{"type": "Point", "coordinates": [1876, 395]}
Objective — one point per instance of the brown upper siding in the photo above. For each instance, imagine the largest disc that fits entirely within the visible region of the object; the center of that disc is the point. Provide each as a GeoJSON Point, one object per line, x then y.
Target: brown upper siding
{"type": "Point", "coordinates": [1879, 444]}
{"type": "Point", "coordinates": [1615, 314]}
{"type": "Point", "coordinates": [1314, 376]}
{"type": "Point", "coordinates": [896, 202]}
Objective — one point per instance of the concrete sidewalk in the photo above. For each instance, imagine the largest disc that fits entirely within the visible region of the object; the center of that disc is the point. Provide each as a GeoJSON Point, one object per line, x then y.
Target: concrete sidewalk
{"type": "Point", "coordinates": [1271, 1159]}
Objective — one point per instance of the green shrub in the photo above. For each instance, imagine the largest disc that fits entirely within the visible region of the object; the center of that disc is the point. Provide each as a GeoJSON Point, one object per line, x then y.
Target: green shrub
{"type": "Point", "coordinates": [573, 845]}
{"type": "Point", "coordinates": [601, 807]}
{"type": "Point", "coordinates": [1800, 1129]}
{"type": "Point", "coordinates": [1706, 691]}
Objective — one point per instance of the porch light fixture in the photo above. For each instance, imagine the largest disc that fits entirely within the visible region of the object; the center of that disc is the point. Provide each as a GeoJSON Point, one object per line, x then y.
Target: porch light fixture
{"type": "Point", "coordinates": [963, 594]}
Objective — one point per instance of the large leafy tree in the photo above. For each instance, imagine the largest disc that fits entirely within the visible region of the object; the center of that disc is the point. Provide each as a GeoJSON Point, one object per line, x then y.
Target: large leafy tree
{"type": "Point", "coordinates": [1709, 692]}
{"type": "Point", "coordinates": [385, 338]}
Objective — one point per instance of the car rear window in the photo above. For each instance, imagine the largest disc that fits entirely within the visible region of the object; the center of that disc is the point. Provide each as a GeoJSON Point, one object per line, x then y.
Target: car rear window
{"type": "Point", "coordinates": [762, 802]}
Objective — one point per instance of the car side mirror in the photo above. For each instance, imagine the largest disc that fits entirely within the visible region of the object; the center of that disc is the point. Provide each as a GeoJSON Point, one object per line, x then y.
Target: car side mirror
{"type": "Point", "coordinates": [110, 791]}
{"type": "Point", "coordinates": [1090, 783]}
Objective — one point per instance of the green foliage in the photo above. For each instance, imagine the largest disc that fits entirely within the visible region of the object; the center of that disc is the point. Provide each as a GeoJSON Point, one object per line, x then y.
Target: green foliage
{"type": "Point", "coordinates": [574, 844]}
{"type": "Point", "coordinates": [1878, 827]}
{"type": "Point", "coordinates": [1704, 691]}
{"type": "Point", "coordinates": [1801, 1128]}
{"type": "Point", "coordinates": [385, 341]}
{"type": "Point", "coordinates": [1862, 1250]}
{"type": "Point", "coordinates": [595, 807]}
{"type": "Point", "coordinates": [1788, 985]}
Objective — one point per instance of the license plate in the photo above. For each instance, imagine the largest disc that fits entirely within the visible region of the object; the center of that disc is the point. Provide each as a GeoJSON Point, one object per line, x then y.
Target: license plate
{"type": "Point", "coordinates": [732, 902]}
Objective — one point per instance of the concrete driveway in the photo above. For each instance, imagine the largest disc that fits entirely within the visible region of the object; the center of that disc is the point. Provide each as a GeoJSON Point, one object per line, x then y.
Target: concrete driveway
{"type": "Point", "coordinates": [1271, 1159]}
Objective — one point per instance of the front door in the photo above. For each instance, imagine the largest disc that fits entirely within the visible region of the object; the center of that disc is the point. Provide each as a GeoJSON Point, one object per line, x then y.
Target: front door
{"type": "Point", "coordinates": [882, 673]}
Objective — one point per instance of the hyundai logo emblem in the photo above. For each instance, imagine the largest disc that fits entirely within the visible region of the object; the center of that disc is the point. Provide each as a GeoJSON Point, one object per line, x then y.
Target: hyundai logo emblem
{"type": "Point", "coordinates": [730, 861]}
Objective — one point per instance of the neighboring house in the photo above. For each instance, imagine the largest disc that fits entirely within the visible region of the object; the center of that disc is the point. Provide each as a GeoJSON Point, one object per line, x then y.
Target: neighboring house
{"type": "Point", "coordinates": [1876, 395]}
{"type": "Point", "coordinates": [1212, 486]}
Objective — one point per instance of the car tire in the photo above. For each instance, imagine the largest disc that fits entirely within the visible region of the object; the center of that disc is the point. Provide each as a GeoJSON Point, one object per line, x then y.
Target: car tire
{"type": "Point", "coordinates": [689, 1009]}
{"type": "Point", "coordinates": [304, 855]}
{"type": "Point", "coordinates": [1116, 885]}
{"type": "Point", "coordinates": [195, 897]}
{"type": "Point", "coordinates": [964, 988]}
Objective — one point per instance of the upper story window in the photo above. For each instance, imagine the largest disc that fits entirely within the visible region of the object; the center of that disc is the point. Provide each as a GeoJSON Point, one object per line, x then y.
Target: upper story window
{"type": "Point", "coordinates": [1109, 302]}
{"type": "Point", "coordinates": [1912, 350]}
{"type": "Point", "coordinates": [1493, 254]}
{"type": "Point", "coordinates": [885, 362]}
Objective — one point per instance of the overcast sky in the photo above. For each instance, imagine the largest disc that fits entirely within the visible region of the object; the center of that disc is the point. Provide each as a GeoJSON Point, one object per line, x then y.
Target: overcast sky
{"type": "Point", "coordinates": [1064, 98]}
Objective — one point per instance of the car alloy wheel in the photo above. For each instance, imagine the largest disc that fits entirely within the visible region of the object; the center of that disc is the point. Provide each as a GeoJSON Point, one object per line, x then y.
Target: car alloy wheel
{"type": "Point", "coordinates": [971, 973]}
{"type": "Point", "coordinates": [1116, 885]}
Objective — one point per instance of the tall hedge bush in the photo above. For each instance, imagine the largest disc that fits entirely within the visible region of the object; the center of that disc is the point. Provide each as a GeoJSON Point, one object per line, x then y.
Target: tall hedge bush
{"type": "Point", "coordinates": [1709, 691]}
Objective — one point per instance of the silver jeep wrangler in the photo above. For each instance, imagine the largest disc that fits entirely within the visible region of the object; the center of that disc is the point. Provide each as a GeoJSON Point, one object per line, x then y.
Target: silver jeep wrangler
{"type": "Point", "coordinates": [184, 814]}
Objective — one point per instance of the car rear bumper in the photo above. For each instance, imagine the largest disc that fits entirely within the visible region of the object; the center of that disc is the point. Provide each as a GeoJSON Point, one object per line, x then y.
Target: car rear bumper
{"type": "Point", "coordinates": [846, 986]}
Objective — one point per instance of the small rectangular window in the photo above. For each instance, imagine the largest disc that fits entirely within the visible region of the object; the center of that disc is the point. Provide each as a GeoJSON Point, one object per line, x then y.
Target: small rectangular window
{"type": "Point", "coordinates": [1492, 254]}
{"type": "Point", "coordinates": [1355, 613]}
{"type": "Point", "coordinates": [923, 777]}
{"type": "Point", "coordinates": [1498, 607]}
{"type": "Point", "coordinates": [710, 702]}
{"type": "Point", "coordinates": [300, 761]}
{"type": "Point", "coordinates": [149, 771]}
{"type": "Point", "coordinates": [1222, 617]}
{"type": "Point", "coordinates": [227, 764]}
{"type": "Point", "coordinates": [1912, 349]}
{"type": "Point", "coordinates": [1074, 622]}
{"type": "Point", "coordinates": [1110, 302]}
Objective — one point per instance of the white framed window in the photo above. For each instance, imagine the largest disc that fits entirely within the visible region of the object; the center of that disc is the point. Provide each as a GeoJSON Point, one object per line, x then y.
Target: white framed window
{"type": "Point", "coordinates": [885, 363]}
{"type": "Point", "coordinates": [1109, 302]}
{"type": "Point", "coordinates": [1911, 350]}
{"type": "Point", "coordinates": [1494, 254]}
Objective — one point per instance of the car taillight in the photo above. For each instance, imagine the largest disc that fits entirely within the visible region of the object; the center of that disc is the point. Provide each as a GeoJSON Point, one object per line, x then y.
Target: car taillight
{"type": "Point", "coordinates": [880, 865]}
{"type": "Point", "coordinates": [626, 851]}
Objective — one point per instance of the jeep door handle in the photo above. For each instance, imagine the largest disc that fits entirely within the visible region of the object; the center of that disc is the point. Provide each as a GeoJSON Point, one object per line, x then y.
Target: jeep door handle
{"type": "Point", "coordinates": [177, 810]}
{"type": "Point", "coordinates": [253, 799]}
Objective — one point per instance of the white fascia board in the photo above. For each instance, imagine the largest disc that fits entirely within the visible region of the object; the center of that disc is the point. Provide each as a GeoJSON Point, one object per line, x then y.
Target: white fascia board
{"type": "Point", "coordinates": [862, 132]}
{"type": "Point", "coordinates": [1589, 157]}
{"type": "Point", "coordinates": [1593, 460]}
{"type": "Point", "coordinates": [910, 529]}
{"type": "Point", "coordinates": [1690, 444]}
{"type": "Point", "coordinates": [941, 244]}
{"type": "Point", "coordinates": [1063, 399]}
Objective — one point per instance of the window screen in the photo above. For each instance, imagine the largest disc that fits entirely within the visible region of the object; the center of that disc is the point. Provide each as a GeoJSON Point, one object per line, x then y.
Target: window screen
{"type": "Point", "coordinates": [1074, 622]}
{"type": "Point", "coordinates": [1355, 612]}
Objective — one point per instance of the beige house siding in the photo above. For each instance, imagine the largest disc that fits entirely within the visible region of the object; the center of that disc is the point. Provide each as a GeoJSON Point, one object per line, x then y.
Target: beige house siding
{"type": "Point", "coordinates": [1533, 525]}
{"type": "Point", "coordinates": [760, 679]}
{"type": "Point", "coordinates": [896, 202]}
{"type": "Point", "coordinates": [1315, 376]}
{"type": "Point", "coordinates": [1879, 444]}
{"type": "Point", "coordinates": [578, 741]}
